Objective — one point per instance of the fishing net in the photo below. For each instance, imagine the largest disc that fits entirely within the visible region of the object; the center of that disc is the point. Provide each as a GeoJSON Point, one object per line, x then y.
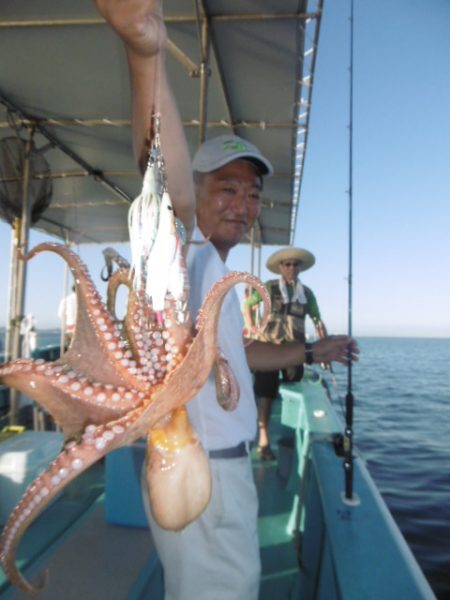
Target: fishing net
{"type": "Point", "coordinates": [12, 160]}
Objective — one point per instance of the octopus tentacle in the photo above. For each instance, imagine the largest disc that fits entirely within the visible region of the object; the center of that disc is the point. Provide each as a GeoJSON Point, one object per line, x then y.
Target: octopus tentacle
{"type": "Point", "coordinates": [227, 388]}
{"type": "Point", "coordinates": [118, 399]}
{"type": "Point", "coordinates": [96, 442]}
{"type": "Point", "coordinates": [97, 439]}
{"type": "Point", "coordinates": [139, 323]}
{"type": "Point", "coordinates": [137, 314]}
{"type": "Point", "coordinates": [236, 277]}
{"type": "Point", "coordinates": [72, 401]}
{"type": "Point", "coordinates": [96, 334]}
{"type": "Point", "coordinates": [181, 385]}
{"type": "Point", "coordinates": [156, 346]}
{"type": "Point", "coordinates": [112, 256]}
{"type": "Point", "coordinates": [118, 278]}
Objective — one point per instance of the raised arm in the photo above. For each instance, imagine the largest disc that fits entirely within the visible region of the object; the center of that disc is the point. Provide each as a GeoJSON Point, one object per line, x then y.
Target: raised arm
{"type": "Point", "coordinates": [140, 25]}
{"type": "Point", "coordinates": [321, 330]}
{"type": "Point", "coordinates": [248, 311]}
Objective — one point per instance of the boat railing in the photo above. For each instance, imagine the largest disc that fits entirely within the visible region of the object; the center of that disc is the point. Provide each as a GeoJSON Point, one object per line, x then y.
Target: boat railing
{"type": "Point", "coordinates": [345, 549]}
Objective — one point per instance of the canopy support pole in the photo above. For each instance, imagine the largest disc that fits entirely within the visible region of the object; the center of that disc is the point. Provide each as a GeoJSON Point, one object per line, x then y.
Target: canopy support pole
{"type": "Point", "coordinates": [15, 232]}
{"type": "Point", "coordinates": [205, 71]}
{"type": "Point", "coordinates": [62, 337]}
{"type": "Point", "coordinates": [19, 274]}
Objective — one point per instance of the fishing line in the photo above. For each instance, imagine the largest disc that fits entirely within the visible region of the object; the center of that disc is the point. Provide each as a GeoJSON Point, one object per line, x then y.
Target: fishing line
{"type": "Point", "coordinates": [349, 400]}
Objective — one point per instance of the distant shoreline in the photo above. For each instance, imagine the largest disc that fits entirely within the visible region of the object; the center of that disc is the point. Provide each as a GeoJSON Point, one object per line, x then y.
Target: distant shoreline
{"type": "Point", "coordinates": [57, 331]}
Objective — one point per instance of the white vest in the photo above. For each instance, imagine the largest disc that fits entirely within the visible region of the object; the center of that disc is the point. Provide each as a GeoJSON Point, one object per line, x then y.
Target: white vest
{"type": "Point", "coordinates": [216, 427]}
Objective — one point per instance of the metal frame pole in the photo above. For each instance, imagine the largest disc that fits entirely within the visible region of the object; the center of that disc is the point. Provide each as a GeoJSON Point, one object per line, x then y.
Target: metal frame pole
{"type": "Point", "coordinates": [21, 271]}
{"type": "Point", "coordinates": [205, 72]}
{"type": "Point", "coordinates": [11, 288]}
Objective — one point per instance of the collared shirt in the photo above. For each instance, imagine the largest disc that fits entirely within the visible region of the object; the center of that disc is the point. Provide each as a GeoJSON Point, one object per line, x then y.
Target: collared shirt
{"type": "Point", "coordinates": [216, 427]}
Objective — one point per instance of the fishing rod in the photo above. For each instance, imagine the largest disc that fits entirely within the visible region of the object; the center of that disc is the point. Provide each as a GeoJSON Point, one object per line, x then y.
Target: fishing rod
{"type": "Point", "coordinates": [349, 399]}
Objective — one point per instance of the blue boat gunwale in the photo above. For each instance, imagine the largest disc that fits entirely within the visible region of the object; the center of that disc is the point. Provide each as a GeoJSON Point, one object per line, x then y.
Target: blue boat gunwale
{"type": "Point", "coordinates": [362, 552]}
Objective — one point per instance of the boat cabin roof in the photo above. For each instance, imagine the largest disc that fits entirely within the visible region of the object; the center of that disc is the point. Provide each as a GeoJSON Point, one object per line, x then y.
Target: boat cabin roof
{"type": "Point", "coordinates": [64, 78]}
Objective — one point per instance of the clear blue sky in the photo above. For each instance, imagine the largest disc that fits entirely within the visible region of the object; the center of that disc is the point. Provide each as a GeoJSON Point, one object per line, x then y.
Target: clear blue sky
{"type": "Point", "coordinates": [401, 192]}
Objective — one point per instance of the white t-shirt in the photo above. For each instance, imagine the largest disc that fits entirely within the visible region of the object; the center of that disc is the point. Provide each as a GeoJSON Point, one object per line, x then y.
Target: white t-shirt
{"type": "Point", "coordinates": [68, 310]}
{"type": "Point", "coordinates": [216, 427]}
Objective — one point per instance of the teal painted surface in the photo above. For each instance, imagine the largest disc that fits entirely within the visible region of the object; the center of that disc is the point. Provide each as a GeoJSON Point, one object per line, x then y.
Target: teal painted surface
{"type": "Point", "coordinates": [4, 400]}
{"type": "Point", "coordinates": [307, 411]}
{"type": "Point", "coordinates": [123, 498]}
{"type": "Point", "coordinates": [150, 582]}
{"type": "Point", "coordinates": [305, 406]}
{"type": "Point", "coordinates": [22, 458]}
{"type": "Point", "coordinates": [277, 545]}
{"type": "Point", "coordinates": [350, 552]}
{"type": "Point", "coordinates": [370, 557]}
{"type": "Point", "coordinates": [54, 525]}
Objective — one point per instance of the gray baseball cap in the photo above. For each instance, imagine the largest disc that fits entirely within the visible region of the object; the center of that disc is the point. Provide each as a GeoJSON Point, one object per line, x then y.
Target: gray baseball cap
{"type": "Point", "coordinates": [221, 150]}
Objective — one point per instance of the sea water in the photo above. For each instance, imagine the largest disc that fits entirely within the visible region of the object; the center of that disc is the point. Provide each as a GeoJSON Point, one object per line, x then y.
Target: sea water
{"type": "Point", "coordinates": [401, 428]}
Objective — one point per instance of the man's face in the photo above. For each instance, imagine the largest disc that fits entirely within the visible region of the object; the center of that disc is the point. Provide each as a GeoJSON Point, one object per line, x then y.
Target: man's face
{"type": "Point", "coordinates": [290, 269]}
{"type": "Point", "coordinates": [228, 202]}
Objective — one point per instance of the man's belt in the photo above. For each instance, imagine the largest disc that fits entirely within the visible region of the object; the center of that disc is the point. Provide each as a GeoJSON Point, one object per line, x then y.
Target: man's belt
{"type": "Point", "coordinates": [234, 452]}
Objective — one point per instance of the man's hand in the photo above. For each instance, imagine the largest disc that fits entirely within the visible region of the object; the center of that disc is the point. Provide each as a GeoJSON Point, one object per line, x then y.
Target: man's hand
{"type": "Point", "coordinates": [139, 23]}
{"type": "Point", "coordinates": [254, 330]}
{"type": "Point", "coordinates": [339, 348]}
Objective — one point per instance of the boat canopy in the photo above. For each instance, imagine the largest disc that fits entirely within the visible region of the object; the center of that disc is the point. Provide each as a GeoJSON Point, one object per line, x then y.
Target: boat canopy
{"type": "Point", "coordinates": [236, 66]}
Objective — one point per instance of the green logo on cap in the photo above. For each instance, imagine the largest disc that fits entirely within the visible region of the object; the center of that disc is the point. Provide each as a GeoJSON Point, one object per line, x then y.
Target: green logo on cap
{"type": "Point", "coordinates": [234, 146]}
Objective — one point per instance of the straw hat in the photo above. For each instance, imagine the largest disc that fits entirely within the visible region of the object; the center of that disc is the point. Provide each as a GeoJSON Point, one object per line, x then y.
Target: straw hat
{"type": "Point", "coordinates": [304, 257]}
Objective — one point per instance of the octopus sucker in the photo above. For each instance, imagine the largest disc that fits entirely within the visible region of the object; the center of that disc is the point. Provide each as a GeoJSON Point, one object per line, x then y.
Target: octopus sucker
{"type": "Point", "coordinates": [72, 404]}
{"type": "Point", "coordinates": [96, 334]}
{"type": "Point", "coordinates": [105, 397]}
{"type": "Point", "coordinates": [35, 373]}
{"type": "Point", "coordinates": [148, 336]}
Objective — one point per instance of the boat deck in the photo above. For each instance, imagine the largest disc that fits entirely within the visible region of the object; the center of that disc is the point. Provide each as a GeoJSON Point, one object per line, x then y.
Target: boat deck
{"type": "Point", "coordinates": [90, 558]}
{"type": "Point", "coordinates": [348, 549]}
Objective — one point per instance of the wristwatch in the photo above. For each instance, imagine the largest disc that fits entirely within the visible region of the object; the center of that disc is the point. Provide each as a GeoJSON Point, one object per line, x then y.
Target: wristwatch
{"type": "Point", "coordinates": [309, 358]}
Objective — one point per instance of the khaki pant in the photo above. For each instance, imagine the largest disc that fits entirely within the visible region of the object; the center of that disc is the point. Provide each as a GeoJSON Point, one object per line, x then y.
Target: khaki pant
{"type": "Point", "coordinates": [217, 556]}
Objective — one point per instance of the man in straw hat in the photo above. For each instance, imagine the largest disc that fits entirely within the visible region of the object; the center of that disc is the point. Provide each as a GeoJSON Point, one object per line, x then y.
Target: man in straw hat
{"type": "Point", "coordinates": [218, 553]}
{"type": "Point", "coordinates": [291, 303]}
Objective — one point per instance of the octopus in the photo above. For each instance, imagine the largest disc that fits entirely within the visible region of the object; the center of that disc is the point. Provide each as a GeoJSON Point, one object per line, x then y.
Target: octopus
{"type": "Point", "coordinates": [121, 381]}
